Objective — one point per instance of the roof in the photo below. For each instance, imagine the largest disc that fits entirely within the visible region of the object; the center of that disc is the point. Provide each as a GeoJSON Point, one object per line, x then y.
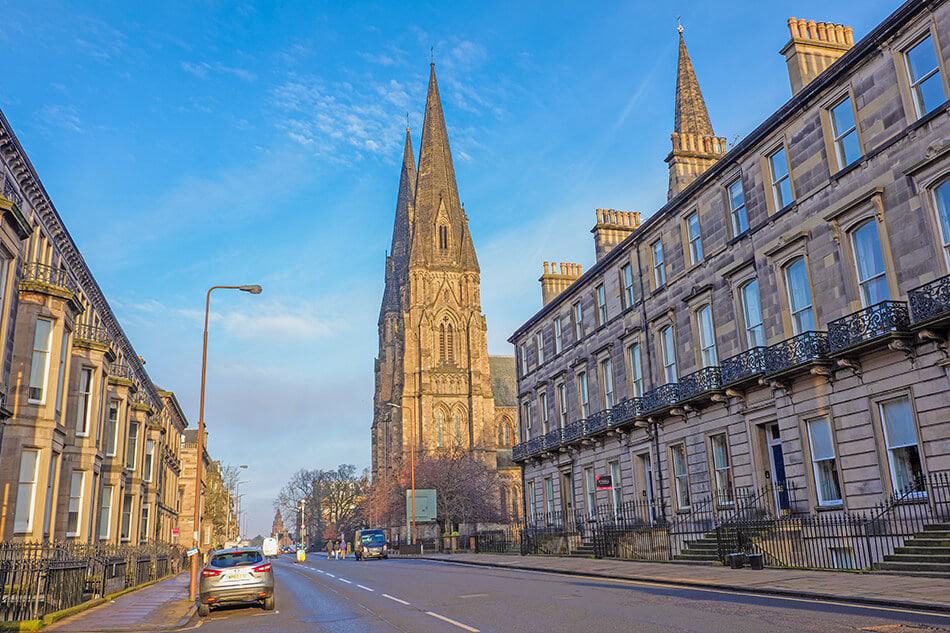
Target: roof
{"type": "Point", "coordinates": [504, 380]}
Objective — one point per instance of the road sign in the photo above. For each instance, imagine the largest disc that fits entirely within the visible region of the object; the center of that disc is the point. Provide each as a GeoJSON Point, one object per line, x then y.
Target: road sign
{"type": "Point", "coordinates": [175, 532]}
{"type": "Point", "coordinates": [192, 551]}
{"type": "Point", "coordinates": [603, 482]}
{"type": "Point", "coordinates": [425, 505]}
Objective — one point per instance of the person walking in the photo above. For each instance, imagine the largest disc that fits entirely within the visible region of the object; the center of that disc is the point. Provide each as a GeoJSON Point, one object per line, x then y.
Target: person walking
{"type": "Point", "coordinates": [329, 549]}
{"type": "Point", "coordinates": [342, 549]}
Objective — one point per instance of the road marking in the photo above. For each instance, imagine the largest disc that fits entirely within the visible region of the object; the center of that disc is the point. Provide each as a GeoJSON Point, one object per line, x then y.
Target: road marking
{"type": "Point", "coordinates": [474, 595]}
{"type": "Point", "coordinates": [471, 629]}
{"type": "Point", "coordinates": [345, 580]}
{"type": "Point", "coordinates": [394, 599]}
{"type": "Point", "coordinates": [364, 587]}
{"type": "Point", "coordinates": [330, 575]}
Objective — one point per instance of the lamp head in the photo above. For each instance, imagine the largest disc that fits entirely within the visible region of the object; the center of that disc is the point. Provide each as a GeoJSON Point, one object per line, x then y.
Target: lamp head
{"type": "Point", "coordinates": [253, 289]}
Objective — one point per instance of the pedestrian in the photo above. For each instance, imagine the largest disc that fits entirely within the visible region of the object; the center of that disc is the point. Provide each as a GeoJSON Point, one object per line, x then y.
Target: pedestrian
{"type": "Point", "coordinates": [329, 549]}
{"type": "Point", "coordinates": [343, 549]}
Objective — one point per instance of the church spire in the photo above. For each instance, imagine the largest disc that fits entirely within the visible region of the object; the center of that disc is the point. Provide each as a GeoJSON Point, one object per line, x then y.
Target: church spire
{"type": "Point", "coordinates": [440, 232]}
{"type": "Point", "coordinates": [398, 261]}
{"type": "Point", "coordinates": [695, 146]}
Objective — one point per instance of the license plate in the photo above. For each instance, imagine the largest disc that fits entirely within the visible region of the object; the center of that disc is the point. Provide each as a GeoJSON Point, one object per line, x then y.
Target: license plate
{"type": "Point", "coordinates": [237, 576]}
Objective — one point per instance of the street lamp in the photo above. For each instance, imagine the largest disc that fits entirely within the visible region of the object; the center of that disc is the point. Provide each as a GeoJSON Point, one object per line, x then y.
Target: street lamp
{"type": "Point", "coordinates": [199, 453]}
{"type": "Point", "coordinates": [412, 475]}
{"type": "Point", "coordinates": [237, 498]}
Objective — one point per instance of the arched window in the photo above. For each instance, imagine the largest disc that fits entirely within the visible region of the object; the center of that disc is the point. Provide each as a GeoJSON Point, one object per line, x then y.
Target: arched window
{"type": "Point", "coordinates": [446, 342]}
{"type": "Point", "coordinates": [457, 427]}
{"type": "Point", "coordinates": [442, 340]}
{"type": "Point", "coordinates": [443, 238]}
{"type": "Point", "coordinates": [439, 428]}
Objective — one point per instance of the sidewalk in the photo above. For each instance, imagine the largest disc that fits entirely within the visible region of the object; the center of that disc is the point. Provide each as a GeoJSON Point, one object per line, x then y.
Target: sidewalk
{"type": "Point", "coordinates": [164, 605]}
{"type": "Point", "coordinates": [910, 592]}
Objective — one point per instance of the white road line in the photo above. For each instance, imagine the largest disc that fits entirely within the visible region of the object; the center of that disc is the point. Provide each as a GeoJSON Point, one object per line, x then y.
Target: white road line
{"type": "Point", "coordinates": [345, 580]}
{"type": "Point", "coordinates": [364, 587]}
{"type": "Point", "coordinates": [394, 599]}
{"type": "Point", "coordinates": [330, 575]}
{"type": "Point", "coordinates": [471, 629]}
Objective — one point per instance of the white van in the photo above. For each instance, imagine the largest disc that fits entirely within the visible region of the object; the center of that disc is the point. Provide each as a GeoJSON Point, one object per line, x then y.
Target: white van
{"type": "Point", "coordinates": [269, 546]}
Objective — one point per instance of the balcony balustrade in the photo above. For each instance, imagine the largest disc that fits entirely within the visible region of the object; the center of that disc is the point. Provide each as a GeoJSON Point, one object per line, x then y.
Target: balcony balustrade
{"type": "Point", "coordinates": [699, 384]}
{"type": "Point", "coordinates": [45, 274]}
{"type": "Point", "coordinates": [744, 367]}
{"type": "Point", "coordinates": [572, 432]}
{"type": "Point", "coordinates": [626, 410]}
{"type": "Point", "coordinates": [598, 422]}
{"type": "Point", "coordinates": [930, 303]}
{"type": "Point", "coordinates": [552, 439]}
{"type": "Point", "coordinates": [791, 354]}
{"type": "Point", "coordinates": [663, 397]}
{"type": "Point", "coordinates": [120, 370]}
{"type": "Point", "coordinates": [518, 452]}
{"type": "Point", "coordinates": [534, 446]}
{"type": "Point", "coordinates": [92, 333]}
{"type": "Point", "coordinates": [864, 327]}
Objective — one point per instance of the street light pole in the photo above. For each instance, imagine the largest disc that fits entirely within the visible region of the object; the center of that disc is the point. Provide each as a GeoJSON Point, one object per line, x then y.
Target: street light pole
{"type": "Point", "coordinates": [412, 475]}
{"type": "Point", "coordinates": [199, 449]}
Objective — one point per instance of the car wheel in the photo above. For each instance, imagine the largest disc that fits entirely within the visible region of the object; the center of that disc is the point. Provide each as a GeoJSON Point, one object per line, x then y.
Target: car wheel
{"type": "Point", "coordinates": [269, 604]}
{"type": "Point", "coordinates": [203, 610]}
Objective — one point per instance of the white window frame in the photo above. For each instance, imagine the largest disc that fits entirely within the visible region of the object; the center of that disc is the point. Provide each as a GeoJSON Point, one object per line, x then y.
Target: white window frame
{"type": "Point", "coordinates": [707, 336]}
{"type": "Point", "coordinates": [839, 136]}
{"type": "Point", "coordinates": [816, 462]}
{"type": "Point", "coordinates": [636, 369]}
{"type": "Point", "coordinates": [578, 321]}
{"type": "Point", "coordinates": [549, 496]}
{"type": "Point", "coordinates": [105, 512]}
{"type": "Point", "coordinates": [590, 492]}
{"type": "Point", "coordinates": [543, 406]}
{"type": "Point", "coordinates": [601, 293]}
{"type": "Point", "coordinates": [629, 292]}
{"type": "Point", "coordinates": [777, 181]}
{"type": "Point", "coordinates": [524, 359]}
{"type": "Point", "coordinates": [27, 484]}
{"type": "Point", "coordinates": [944, 234]}
{"type": "Point", "coordinates": [889, 448]}
{"type": "Point", "coordinates": [144, 519]}
{"type": "Point", "coordinates": [863, 284]}
{"type": "Point", "coordinates": [616, 486]}
{"type": "Point", "coordinates": [694, 238]}
{"type": "Point", "coordinates": [539, 343]}
{"type": "Point", "coordinates": [797, 313]}
{"type": "Point", "coordinates": [132, 447]}
{"type": "Point", "coordinates": [112, 424]}
{"type": "Point", "coordinates": [526, 411]}
{"type": "Point", "coordinates": [583, 393]}
{"type": "Point", "coordinates": [75, 502]}
{"type": "Point", "coordinates": [668, 345]}
{"type": "Point", "coordinates": [148, 465]}
{"type": "Point", "coordinates": [680, 466]}
{"type": "Point", "coordinates": [84, 406]}
{"type": "Point", "coordinates": [558, 335]}
{"type": "Point", "coordinates": [560, 391]}
{"type": "Point", "coordinates": [722, 473]}
{"type": "Point", "coordinates": [607, 373]}
{"type": "Point", "coordinates": [41, 382]}
{"type": "Point", "coordinates": [739, 214]}
{"type": "Point", "coordinates": [61, 374]}
{"type": "Point", "coordinates": [754, 332]}
{"type": "Point", "coordinates": [659, 267]}
{"type": "Point", "coordinates": [125, 519]}
{"type": "Point", "coordinates": [915, 84]}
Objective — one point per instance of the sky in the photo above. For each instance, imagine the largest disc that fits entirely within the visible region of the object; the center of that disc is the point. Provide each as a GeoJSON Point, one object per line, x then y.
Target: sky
{"type": "Point", "coordinates": [215, 142]}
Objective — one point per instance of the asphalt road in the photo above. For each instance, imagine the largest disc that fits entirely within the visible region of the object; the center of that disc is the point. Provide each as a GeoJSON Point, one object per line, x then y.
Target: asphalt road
{"type": "Point", "coordinates": [418, 596]}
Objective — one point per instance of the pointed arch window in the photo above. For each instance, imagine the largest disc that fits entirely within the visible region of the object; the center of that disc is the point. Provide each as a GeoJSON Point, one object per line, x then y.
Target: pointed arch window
{"type": "Point", "coordinates": [457, 427]}
{"type": "Point", "coordinates": [443, 237]}
{"type": "Point", "coordinates": [447, 342]}
{"type": "Point", "coordinates": [439, 428]}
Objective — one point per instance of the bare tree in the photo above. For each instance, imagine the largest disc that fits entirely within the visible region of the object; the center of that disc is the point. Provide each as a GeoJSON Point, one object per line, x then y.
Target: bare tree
{"type": "Point", "coordinates": [333, 500]}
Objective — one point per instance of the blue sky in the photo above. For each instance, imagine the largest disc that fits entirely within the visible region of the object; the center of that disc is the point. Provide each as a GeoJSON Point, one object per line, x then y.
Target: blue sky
{"type": "Point", "coordinates": [187, 144]}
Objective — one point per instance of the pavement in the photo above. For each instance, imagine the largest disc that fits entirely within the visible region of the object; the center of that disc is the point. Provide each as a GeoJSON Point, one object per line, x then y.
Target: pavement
{"type": "Point", "coordinates": [160, 606]}
{"type": "Point", "coordinates": [891, 590]}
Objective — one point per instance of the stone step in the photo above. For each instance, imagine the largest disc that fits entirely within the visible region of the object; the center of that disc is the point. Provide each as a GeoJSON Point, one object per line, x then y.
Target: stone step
{"type": "Point", "coordinates": [942, 568]}
{"type": "Point", "coordinates": [918, 541]}
{"type": "Point", "coordinates": [916, 558]}
{"type": "Point", "coordinates": [687, 555]}
{"type": "Point", "coordinates": [937, 527]}
{"type": "Point", "coordinates": [910, 548]}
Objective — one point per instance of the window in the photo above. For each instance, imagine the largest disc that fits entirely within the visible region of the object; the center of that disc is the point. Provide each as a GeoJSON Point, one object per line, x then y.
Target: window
{"type": "Point", "coordinates": [143, 526]}
{"type": "Point", "coordinates": [636, 370]}
{"type": "Point", "coordinates": [112, 428]}
{"type": "Point", "coordinates": [752, 314]}
{"type": "Point", "coordinates": [561, 391]}
{"type": "Point", "coordinates": [578, 321]}
{"type": "Point", "coordinates": [125, 529]}
{"type": "Point", "coordinates": [61, 376]}
{"type": "Point", "coordinates": [903, 450]}
{"type": "Point", "coordinates": [781, 182]}
{"type": "Point", "coordinates": [590, 492]}
{"type": "Point", "coordinates": [869, 263]}
{"type": "Point", "coordinates": [558, 336]}
{"type": "Point", "coordinates": [74, 516]}
{"type": "Point", "coordinates": [668, 353]}
{"type": "Point", "coordinates": [722, 470]}
{"type": "Point", "coordinates": [659, 269]}
{"type": "Point", "coordinates": [924, 71]}
{"type": "Point", "coordinates": [132, 446]}
{"type": "Point", "coordinates": [524, 359]}
{"type": "Point", "coordinates": [616, 492]}
{"type": "Point", "coordinates": [549, 496]}
{"type": "Point", "coordinates": [439, 428]}
{"type": "Point", "coordinates": [39, 371]}
{"type": "Point", "coordinates": [543, 406]}
{"type": "Point", "coordinates": [824, 462]}
{"type": "Point", "coordinates": [694, 237]}
{"type": "Point", "coordinates": [149, 457]}
{"type": "Point", "coordinates": [446, 342]}
{"type": "Point", "coordinates": [26, 491]}
{"type": "Point", "coordinates": [845, 133]}
{"type": "Point", "coordinates": [532, 500]}
{"type": "Point", "coordinates": [457, 428]}
{"type": "Point", "coordinates": [443, 238]}
{"type": "Point", "coordinates": [607, 375]}
{"type": "Point", "coordinates": [601, 305]}
{"type": "Point", "coordinates": [707, 337]}
{"type": "Point", "coordinates": [526, 413]}
{"type": "Point", "coordinates": [582, 394]}
{"type": "Point", "coordinates": [105, 513]}
{"type": "Point", "coordinates": [85, 402]}
{"type": "Point", "coordinates": [539, 343]}
{"type": "Point", "coordinates": [740, 218]}
{"type": "Point", "coordinates": [51, 488]}
{"type": "Point", "coordinates": [942, 205]}
{"type": "Point", "coordinates": [626, 278]}
{"type": "Point", "coordinates": [799, 296]}
{"type": "Point", "coordinates": [680, 475]}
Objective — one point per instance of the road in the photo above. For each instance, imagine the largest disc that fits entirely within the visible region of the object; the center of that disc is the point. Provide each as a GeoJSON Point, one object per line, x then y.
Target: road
{"type": "Point", "coordinates": [418, 596]}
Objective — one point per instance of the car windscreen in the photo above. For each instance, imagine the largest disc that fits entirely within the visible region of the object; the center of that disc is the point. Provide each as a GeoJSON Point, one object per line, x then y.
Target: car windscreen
{"type": "Point", "coordinates": [236, 559]}
{"type": "Point", "coordinates": [373, 539]}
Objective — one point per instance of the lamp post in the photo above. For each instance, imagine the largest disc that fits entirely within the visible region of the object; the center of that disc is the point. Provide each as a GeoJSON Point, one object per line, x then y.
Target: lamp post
{"type": "Point", "coordinates": [237, 499]}
{"type": "Point", "coordinates": [412, 475]}
{"type": "Point", "coordinates": [199, 450]}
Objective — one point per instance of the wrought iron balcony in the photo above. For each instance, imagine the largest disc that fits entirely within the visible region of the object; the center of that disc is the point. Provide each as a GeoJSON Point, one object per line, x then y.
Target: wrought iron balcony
{"type": "Point", "coordinates": [930, 303]}
{"type": "Point", "coordinates": [597, 422]}
{"type": "Point", "coordinates": [805, 349]}
{"type": "Point", "coordinates": [120, 370]}
{"type": "Point", "coordinates": [44, 274]}
{"type": "Point", "coordinates": [744, 367]}
{"type": "Point", "coordinates": [518, 452]}
{"type": "Point", "coordinates": [92, 333]}
{"type": "Point", "coordinates": [534, 446]}
{"type": "Point", "coordinates": [626, 410]}
{"type": "Point", "coordinates": [572, 432]}
{"type": "Point", "coordinates": [662, 397]}
{"type": "Point", "coordinates": [700, 383]}
{"type": "Point", "coordinates": [552, 439]}
{"type": "Point", "coordinates": [873, 323]}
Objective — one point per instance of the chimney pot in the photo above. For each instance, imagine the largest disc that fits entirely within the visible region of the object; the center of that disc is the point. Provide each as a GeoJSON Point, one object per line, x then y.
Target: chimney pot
{"type": "Point", "coordinates": [793, 27]}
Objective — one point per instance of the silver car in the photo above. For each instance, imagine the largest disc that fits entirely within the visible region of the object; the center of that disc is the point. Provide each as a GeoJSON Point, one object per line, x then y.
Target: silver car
{"type": "Point", "coordinates": [236, 575]}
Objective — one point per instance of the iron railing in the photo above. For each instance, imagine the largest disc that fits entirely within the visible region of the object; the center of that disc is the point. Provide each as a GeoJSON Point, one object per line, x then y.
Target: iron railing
{"type": "Point", "coordinates": [663, 396]}
{"type": "Point", "coordinates": [44, 273]}
{"type": "Point", "coordinates": [93, 333]}
{"type": "Point", "coordinates": [598, 421]}
{"type": "Point", "coordinates": [869, 324]}
{"type": "Point", "coordinates": [534, 446]}
{"type": "Point", "coordinates": [552, 439]}
{"type": "Point", "coordinates": [573, 431]}
{"type": "Point", "coordinates": [518, 451]}
{"type": "Point", "coordinates": [121, 370]}
{"type": "Point", "coordinates": [626, 410]}
{"type": "Point", "coordinates": [704, 381]}
{"type": "Point", "coordinates": [930, 302]}
{"type": "Point", "coordinates": [807, 347]}
{"type": "Point", "coordinates": [744, 366]}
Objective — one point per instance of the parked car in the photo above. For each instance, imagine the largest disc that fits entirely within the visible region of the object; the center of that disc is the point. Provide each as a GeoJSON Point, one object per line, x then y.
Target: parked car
{"type": "Point", "coordinates": [234, 576]}
{"type": "Point", "coordinates": [370, 544]}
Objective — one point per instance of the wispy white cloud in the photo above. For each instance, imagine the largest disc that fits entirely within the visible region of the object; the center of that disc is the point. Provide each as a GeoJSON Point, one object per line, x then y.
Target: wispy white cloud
{"type": "Point", "coordinates": [62, 117]}
{"type": "Point", "coordinates": [99, 40]}
{"type": "Point", "coordinates": [202, 70]}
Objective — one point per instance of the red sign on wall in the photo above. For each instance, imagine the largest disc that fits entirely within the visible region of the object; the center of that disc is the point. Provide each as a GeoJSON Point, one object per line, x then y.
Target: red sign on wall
{"type": "Point", "coordinates": [175, 532]}
{"type": "Point", "coordinates": [603, 482]}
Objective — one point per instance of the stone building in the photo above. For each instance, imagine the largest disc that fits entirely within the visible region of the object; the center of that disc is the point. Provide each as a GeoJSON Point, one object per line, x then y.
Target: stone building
{"type": "Point", "coordinates": [279, 532]}
{"type": "Point", "coordinates": [436, 385]}
{"type": "Point", "coordinates": [89, 449]}
{"type": "Point", "coordinates": [781, 322]}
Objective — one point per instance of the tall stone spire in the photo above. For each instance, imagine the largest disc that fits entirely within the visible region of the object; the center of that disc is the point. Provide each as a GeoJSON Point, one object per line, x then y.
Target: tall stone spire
{"type": "Point", "coordinates": [695, 146]}
{"type": "Point", "coordinates": [397, 263]}
{"type": "Point", "coordinates": [440, 234]}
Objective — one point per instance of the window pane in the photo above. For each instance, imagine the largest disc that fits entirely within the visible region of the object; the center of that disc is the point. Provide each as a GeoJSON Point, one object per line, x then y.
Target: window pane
{"type": "Point", "coordinates": [849, 148]}
{"type": "Point", "coordinates": [899, 423]}
{"type": "Point", "coordinates": [785, 189]}
{"type": "Point", "coordinates": [779, 165]}
{"type": "Point", "coordinates": [720, 454]}
{"type": "Point", "coordinates": [942, 197]}
{"type": "Point", "coordinates": [822, 446]}
{"type": "Point", "coordinates": [921, 59]}
{"type": "Point", "coordinates": [931, 92]}
{"type": "Point", "coordinates": [26, 491]}
{"type": "Point", "coordinates": [829, 488]}
{"type": "Point", "coordinates": [40, 362]}
{"type": "Point", "coordinates": [842, 116]}
{"type": "Point", "coordinates": [752, 311]}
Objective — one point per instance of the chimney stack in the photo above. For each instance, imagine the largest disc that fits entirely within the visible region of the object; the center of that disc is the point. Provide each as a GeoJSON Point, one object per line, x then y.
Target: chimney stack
{"type": "Point", "coordinates": [556, 278]}
{"type": "Point", "coordinates": [613, 227]}
{"type": "Point", "coordinates": [812, 48]}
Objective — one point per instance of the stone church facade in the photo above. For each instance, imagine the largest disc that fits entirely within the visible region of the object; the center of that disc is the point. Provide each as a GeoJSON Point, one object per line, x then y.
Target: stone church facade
{"type": "Point", "coordinates": [437, 388]}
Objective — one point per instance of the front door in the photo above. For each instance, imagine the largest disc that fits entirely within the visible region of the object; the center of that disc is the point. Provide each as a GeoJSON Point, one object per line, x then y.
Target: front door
{"type": "Point", "coordinates": [647, 465]}
{"type": "Point", "coordinates": [777, 467]}
{"type": "Point", "coordinates": [567, 496]}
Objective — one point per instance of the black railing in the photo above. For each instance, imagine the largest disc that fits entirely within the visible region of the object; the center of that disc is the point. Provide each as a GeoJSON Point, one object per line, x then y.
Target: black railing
{"type": "Point", "coordinates": [744, 366]}
{"type": "Point", "coordinates": [518, 451]}
{"type": "Point", "coordinates": [552, 439]}
{"type": "Point", "coordinates": [573, 431]}
{"type": "Point", "coordinates": [92, 333]}
{"type": "Point", "coordinates": [598, 422]}
{"type": "Point", "coordinates": [807, 347]}
{"type": "Point", "coordinates": [698, 383]}
{"type": "Point", "coordinates": [120, 370]}
{"type": "Point", "coordinates": [534, 446]}
{"type": "Point", "coordinates": [626, 411]}
{"type": "Point", "coordinates": [930, 302]}
{"type": "Point", "coordinates": [864, 326]}
{"type": "Point", "coordinates": [43, 273]}
{"type": "Point", "coordinates": [664, 396]}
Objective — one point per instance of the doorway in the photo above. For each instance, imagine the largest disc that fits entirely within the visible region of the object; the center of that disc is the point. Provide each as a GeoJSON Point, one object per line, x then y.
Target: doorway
{"type": "Point", "coordinates": [648, 493]}
{"type": "Point", "coordinates": [773, 441]}
{"type": "Point", "coordinates": [567, 496]}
